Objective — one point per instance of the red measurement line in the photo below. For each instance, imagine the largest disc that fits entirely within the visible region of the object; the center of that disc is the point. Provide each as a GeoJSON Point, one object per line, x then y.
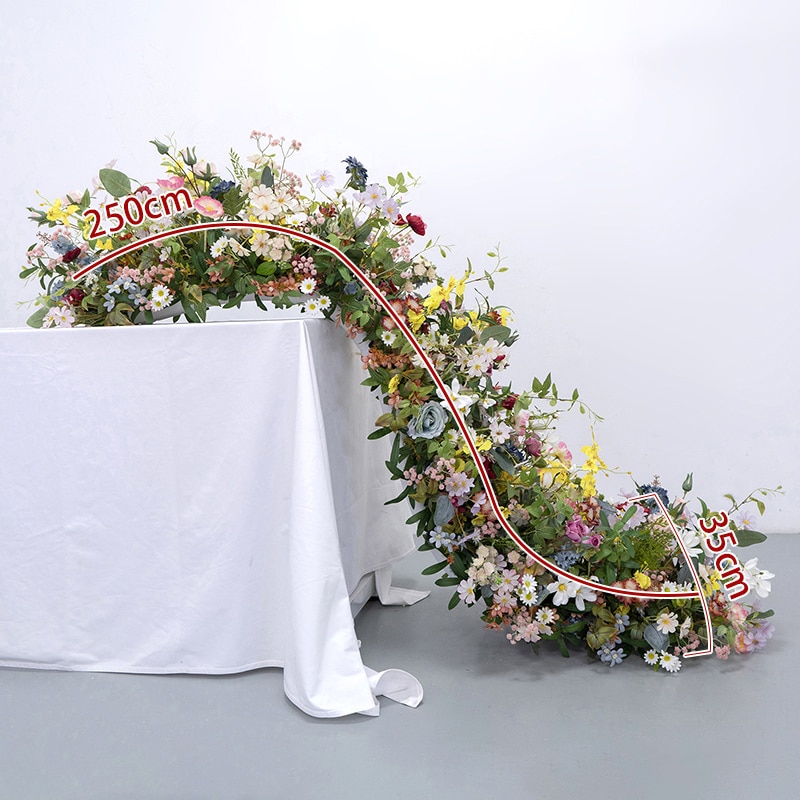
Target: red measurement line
{"type": "Point", "coordinates": [445, 393]}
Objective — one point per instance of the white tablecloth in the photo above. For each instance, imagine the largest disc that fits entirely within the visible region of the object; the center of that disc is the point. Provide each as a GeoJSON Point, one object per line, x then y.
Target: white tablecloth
{"type": "Point", "coordinates": [193, 498]}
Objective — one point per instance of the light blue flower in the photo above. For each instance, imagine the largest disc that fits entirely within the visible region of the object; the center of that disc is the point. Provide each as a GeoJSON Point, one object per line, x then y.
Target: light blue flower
{"type": "Point", "coordinates": [429, 422]}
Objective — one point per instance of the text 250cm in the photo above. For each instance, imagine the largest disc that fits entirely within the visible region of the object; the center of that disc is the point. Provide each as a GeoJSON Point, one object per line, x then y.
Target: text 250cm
{"type": "Point", "coordinates": [134, 211]}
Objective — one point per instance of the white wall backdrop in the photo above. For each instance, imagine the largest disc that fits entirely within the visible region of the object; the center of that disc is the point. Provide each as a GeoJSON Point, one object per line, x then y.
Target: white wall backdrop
{"type": "Point", "coordinates": [637, 162]}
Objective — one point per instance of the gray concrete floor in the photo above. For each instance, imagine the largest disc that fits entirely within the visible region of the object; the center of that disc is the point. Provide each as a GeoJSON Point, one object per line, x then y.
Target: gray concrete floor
{"type": "Point", "coordinates": [496, 721]}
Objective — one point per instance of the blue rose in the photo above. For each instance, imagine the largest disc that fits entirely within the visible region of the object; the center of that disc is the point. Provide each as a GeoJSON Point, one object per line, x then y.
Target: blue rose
{"type": "Point", "coordinates": [429, 422]}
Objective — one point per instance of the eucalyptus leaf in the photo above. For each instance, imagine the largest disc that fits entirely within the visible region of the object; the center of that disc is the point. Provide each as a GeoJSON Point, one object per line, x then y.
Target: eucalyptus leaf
{"type": "Point", "coordinates": [685, 574]}
{"type": "Point", "coordinates": [267, 178]}
{"type": "Point", "coordinates": [503, 461]}
{"type": "Point", "coordinates": [657, 640]}
{"type": "Point", "coordinates": [36, 319]}
{"type": "Point", "coordinates": [465, 336]}
{"type": "Point", "coordinates": [116, 183]}
{"type": "Point", "coordinates": [498, 332]}
{"type": "Point", "coordinates": [444, 510]}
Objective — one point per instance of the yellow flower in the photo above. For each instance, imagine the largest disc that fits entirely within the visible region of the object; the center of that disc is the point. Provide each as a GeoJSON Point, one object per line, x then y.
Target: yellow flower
{"type": "Point", "coordinates": [548, 476]}
{"type": "Point", "coordinates": [416, 318]}
{"type": "Point", "coordinates": [505, 315]}
{"type": "Point", "coordinates": [58, 214]}
{"type": "Point", "coordinates": [104, 244]}
{"type": "Point", "coordinates": [592, 466]}
{"type": "Point", "coordinates": [483, 444]}
{"type": "Point", "coordinates": [459, 287]}
{"type": "Point", "coordinates": [435, 299]}
{"type": "Point", "coordinates": [712, 583]}
{"type": "Point", "coordinates": [459, 323]}
{"type": "Point", "coordinates": [394, 383]}
{"type": "Point", "coordinates": [642, 580]}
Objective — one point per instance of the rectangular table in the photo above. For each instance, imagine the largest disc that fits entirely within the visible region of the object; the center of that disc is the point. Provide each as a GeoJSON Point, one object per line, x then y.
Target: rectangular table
{"type": "Point", "coordinates": [195, 499]}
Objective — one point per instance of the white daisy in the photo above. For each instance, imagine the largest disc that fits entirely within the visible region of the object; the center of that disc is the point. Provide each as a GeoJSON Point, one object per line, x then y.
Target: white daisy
{"type": "Point", "coordinates": [651, 657]}
{"type": "Point", "coordinates": [388, 337]}
{"type": "Point", "coordinates": [160, 297]}
{"type": "Point", "coordinates": [307, 286]}
{"type": "Point", "coordinates": [219, 246]}
{"type": "Point", "coordinates": [545, 616]}
{"type": "Point", "coordinates": [311, 306]}
{"type": "Point", "coordinates": [324, 302]}
{"type": "Point", "coordinates": [669, 662]}
{"type": "Point", "coordinates": [528, 596]}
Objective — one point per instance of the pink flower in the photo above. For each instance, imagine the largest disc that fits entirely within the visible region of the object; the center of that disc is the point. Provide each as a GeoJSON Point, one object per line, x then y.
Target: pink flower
{"type": "Point", "coordinates": [723, 652]}
{"type": "Point", "coordinates": [209, 207]}
{"type": "Point", "coordinates": [595, 540]}
{"type": "Point", "coordinates": [174, 182]}
{"type": "Point", "coordinates": [576, 529]}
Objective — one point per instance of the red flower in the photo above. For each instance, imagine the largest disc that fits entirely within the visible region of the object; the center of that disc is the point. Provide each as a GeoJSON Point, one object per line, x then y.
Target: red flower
{"type": "Point", "coordinates": [416, 224]}
{"type": "Point", "coordinates": [75, 296]}
{"type": "Point", "coordinates": [71, 255]}
{"type": "Point", "coordinates": [510, 401]}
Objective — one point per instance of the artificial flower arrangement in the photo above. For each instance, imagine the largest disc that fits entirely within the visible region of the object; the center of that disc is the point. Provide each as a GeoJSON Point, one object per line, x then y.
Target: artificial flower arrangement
{"type": "Point", "coordinates": [537, 486]}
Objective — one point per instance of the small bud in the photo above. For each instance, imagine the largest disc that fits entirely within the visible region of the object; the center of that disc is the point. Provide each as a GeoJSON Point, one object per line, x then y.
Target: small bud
{"type": "Point", "coordinates": [687, 484]}
{"type": "Point", "coordinates": [163, 149]}
{"type": "Point", "coordinates": [189, 156]}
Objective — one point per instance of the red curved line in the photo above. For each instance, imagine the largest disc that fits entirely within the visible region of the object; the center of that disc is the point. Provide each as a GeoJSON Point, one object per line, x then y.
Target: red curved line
{"type": "Point", "coordinates": [400, 322]}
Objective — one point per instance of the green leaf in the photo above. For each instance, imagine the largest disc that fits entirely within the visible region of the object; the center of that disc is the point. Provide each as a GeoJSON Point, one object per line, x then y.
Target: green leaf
{"type": "Point", "coordinates": [418, 517]}
{"type": "Point", "coordinates": [36, 319]}
{"type": "Point", "coordinates": [764, 614]}
{"type": "Point", "coordinates": [189, 311]}
{"type": "Point", "coordinates": [402, 496]}
{"type": "Point", "coordinates": [379, 433]}
{"type": "Point", "coordinates": [267, 178]}
{"type": "Point", "coordinates": [454, 601]}
{"type": "Point", "coordinates": [116, 183]}
{"type": "Point", "coordinates": [503, 461]}
{"type": "Point", "coordinates": [444, 510]}
{"type": "Point", "coordinates": [26, 273]}
{"type": "Point", "coordinates": [232, 202]}
{"type": "Point", "coordinates": [498, 332]}
{"type": "Point", "coordinates": [465, 336]}
{"type": "Point", "coordinates": [434, 568]}
{"type": "Point", "coordinates": [745, 537]}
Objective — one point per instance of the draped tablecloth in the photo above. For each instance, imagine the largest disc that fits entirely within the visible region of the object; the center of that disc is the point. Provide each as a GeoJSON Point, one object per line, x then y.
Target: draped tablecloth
{"type": "Point", "coordinates": [195, 499]}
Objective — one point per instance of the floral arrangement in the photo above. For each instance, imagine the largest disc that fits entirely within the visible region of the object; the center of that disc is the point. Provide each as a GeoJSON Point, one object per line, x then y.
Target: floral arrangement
{"type": "Point", "coordinates": [534, 482]}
